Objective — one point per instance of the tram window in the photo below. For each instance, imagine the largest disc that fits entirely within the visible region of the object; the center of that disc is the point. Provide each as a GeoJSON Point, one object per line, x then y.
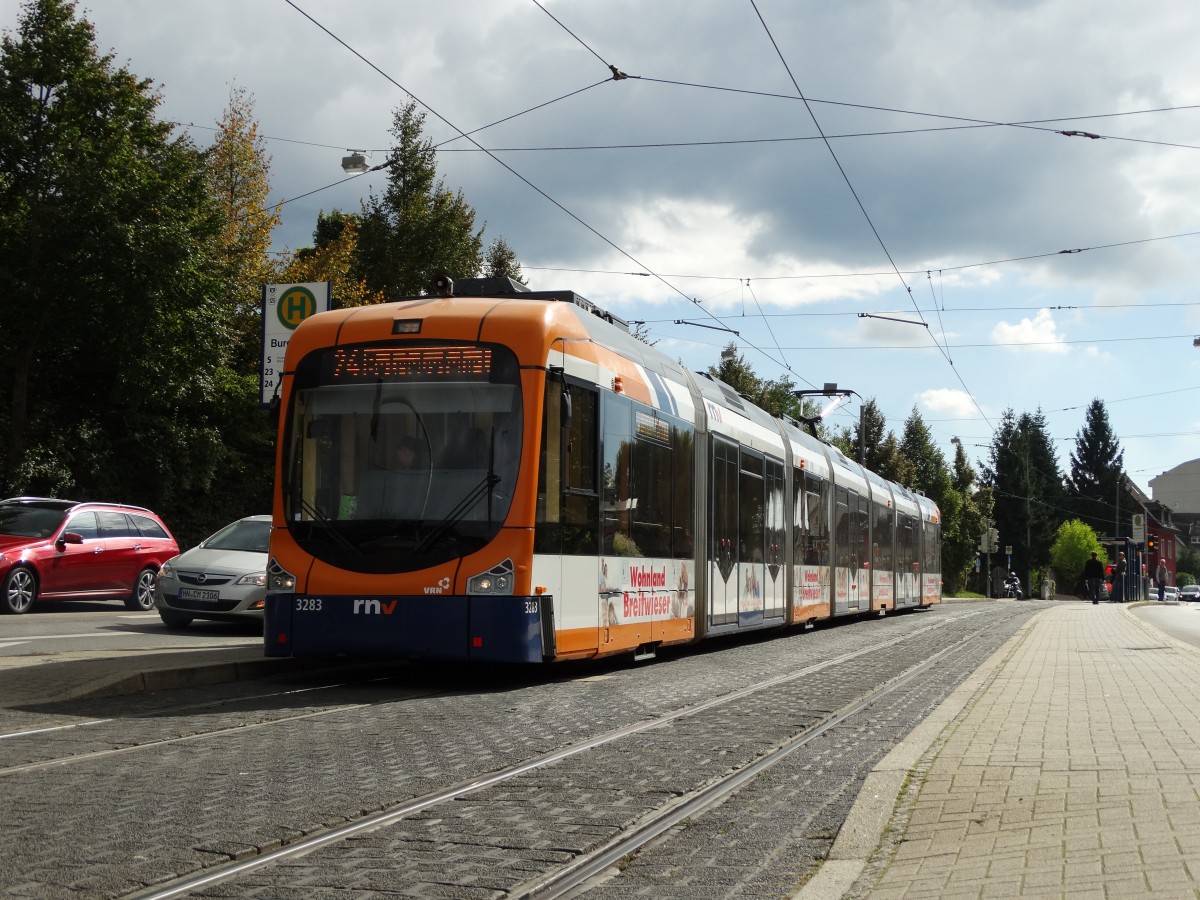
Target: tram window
{"type": "Point", "coordinates": [776, 531]}
{"type": "Point", "coordinates": [812, 522]}
{"type": "Point", "coordinates": [906, 544]}
{"type": "Point", "coordinates": [841, 527]}
{"type": "Point", "coordinates": [683, 510]}
{"type": "Point", "coordinates": [581, 441]}
{"type": "Point", "coordinates": [882, 549]}
{"type": "Point", "coordinates": [864, 534]}
{"type": "Point", "coordinates": [647, 483]}
{"type": "Point", "coordinates": [616, 499]}
{"type": "Point", "coordinates": [933, 548]}
{"type": "Point", "coordinates": [723, 522]}
{"type": "Point", "coordinates": [751, 509]}
{"type": "Point", "coordinates": [651, 498]}
{"type": "Point", "coordinates": [568, 512]}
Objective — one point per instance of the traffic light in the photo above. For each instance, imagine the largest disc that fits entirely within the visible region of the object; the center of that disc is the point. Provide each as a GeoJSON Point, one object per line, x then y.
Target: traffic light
{"type": "Point", "coordinates": [1151, 545]}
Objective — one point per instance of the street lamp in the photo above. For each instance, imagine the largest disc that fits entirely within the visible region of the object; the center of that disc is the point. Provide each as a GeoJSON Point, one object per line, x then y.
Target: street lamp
{"type": "Point", "coordinates": [356, 163]}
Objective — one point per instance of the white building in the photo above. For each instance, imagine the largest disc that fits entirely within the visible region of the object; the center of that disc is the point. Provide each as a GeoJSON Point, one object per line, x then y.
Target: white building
{"type": "Point", "coordinates": [1179, 489]}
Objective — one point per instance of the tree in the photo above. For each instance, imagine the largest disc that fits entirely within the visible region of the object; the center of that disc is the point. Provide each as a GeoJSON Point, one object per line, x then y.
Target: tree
{"type": "Point", "coordinates": [331, 259]}
{"type": "Point", "coordinates": [968, 507]}
{"type": "Point", "coordinates": [1027, 486]}
{"type": "Point", "coordinates": [932, 477]}
{"type": "Point", "coordinates": [1097, 464]}
{"type": "Point", "coordinates": [107, 235]}
{"type": "Point", "coordinates": [1074, 543]}
{"type": "Point", "coordinates": [239, 178]}
{"type": "Point", "coordinates": [501, 262]}
{"type": "Point", "coordinates": [776, 397]}
{"type": "Point", "coordinates": [417, 229]}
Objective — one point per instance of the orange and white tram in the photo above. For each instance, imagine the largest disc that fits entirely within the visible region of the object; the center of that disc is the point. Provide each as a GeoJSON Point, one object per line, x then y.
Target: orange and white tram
{"type": "Point", "coordinates": [497, 474]}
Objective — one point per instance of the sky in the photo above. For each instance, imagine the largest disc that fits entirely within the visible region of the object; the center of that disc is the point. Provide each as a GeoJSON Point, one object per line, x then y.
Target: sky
{"type": "Point", "coordinates": [953, 207]}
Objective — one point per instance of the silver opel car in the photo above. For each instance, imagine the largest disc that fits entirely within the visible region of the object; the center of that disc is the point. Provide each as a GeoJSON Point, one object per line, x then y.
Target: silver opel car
{"type": "Point", "coordinates": [223, 577]}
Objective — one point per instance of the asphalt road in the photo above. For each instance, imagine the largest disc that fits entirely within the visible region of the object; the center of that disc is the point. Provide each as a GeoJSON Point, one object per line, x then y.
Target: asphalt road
{"type": "Point", "coordinates": [1181, 621]}
{"type": "Point", "coordinates": [109, 628]}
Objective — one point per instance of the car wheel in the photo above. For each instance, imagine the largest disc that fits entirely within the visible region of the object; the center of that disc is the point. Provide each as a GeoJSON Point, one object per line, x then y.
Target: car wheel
{"type": "Point", "coordinates": [173, 619]}
{"type": "Point", "coordinates": [143, 591]}
{"type": "Point", "coordinates": [20, 590]}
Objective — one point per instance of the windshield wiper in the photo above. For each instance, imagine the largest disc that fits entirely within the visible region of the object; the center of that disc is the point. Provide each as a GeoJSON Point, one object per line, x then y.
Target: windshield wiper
{"type": "Point", "coordinates": [464, 506]}
{"type": "Point", "coordinates": [320, 518]}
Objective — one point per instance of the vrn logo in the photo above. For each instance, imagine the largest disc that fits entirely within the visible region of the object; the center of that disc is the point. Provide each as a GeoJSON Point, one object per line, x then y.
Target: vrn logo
{"type": "Point", "coordinates": [366, 607]}
{"type": "Point", "coordinates": [441, 588]}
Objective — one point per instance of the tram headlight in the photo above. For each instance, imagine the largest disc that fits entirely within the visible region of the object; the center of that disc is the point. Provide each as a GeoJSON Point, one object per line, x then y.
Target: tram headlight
{"type": "Point", "coordinates": [280, 579]}
{"type": "Point", "coordinates": [496, 580]}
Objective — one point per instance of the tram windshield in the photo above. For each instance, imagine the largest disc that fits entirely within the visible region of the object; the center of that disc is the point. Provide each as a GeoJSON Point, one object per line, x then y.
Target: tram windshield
{"type": "Point", "coordinates": [401, 456]}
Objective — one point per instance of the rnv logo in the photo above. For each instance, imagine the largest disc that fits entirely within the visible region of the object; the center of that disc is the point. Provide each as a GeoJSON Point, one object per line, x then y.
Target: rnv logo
{"type": "Point", "coordinates": [374, 607]}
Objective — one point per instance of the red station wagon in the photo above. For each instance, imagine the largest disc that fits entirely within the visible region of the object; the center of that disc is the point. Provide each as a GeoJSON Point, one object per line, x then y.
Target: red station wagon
{"type": "Point", "coordinates": [65, 550]}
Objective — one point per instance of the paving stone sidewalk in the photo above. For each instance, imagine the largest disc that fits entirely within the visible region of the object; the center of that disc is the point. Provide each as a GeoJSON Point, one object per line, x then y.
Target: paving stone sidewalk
{"type": "Point", "coordinates": [1067, 766]}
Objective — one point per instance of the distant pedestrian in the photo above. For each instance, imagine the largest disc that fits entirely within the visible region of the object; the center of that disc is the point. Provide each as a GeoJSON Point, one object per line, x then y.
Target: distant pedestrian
{"type": "Point", "coordinates": [1093, 575]}
{"type": "Point", "coordinates": [1118, 590]}
{"type": "Point", "coordinates": [1160, 576]}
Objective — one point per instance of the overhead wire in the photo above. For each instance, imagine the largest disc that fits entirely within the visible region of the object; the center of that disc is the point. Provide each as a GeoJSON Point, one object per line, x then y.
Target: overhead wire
{"type": "Point", "coordinates": [862, 207]}
{"type": "Point", "coordinates": [494, 158]}
{"type": "Point", "coordinates": [662, 278]}
{"type": "Point", "coordinates": [617, 75]}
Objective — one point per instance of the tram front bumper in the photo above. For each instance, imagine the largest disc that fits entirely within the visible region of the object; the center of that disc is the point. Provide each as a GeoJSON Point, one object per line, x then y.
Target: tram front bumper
{"type": "Point", "coordinates": [475, 628]}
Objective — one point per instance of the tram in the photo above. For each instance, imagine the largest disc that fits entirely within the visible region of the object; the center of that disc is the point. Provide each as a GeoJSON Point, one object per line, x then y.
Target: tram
{"type": "Point", "coordinates": [497, 474]}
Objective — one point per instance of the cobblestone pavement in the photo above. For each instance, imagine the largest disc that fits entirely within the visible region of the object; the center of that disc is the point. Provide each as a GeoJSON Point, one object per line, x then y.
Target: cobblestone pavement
{"type": "Point", "coordinates": [107, 825]}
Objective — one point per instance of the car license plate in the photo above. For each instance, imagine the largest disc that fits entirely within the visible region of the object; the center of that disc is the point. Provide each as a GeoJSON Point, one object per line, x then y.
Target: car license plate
{"type": "Point", "coordinates": [198, 594]}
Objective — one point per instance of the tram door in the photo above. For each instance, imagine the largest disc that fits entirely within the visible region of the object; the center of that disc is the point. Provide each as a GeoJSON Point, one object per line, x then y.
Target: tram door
{"type": "Point", "coordinates": [566, 538]}
{"type": "Point", "coordinates": [752, 538]}
{"type": "Point", "coordinates": [723, 534]}
{"type": "Point", "coordinates": [775, 582]}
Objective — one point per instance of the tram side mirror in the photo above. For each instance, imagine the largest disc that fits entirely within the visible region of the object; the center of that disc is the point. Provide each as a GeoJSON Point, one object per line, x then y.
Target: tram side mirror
{"type": "Point", "coordinates": [273, 413]}
{"type": "Point", "coordinates": [564, 396]}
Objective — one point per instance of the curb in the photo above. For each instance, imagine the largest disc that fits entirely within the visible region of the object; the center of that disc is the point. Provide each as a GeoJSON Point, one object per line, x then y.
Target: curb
{"type": "Point", "coordinates": [865, 827]}
{"type": "Point", "coordinates": [151, 680]}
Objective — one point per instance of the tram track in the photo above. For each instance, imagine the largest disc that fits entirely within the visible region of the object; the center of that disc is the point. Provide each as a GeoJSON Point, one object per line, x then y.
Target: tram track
{"type": "Point", "coordinates": [242, 727]}
{"type": "Point", "coordinates": [646, 829]}
{"type": "Point", "coordinates": [589, 866]}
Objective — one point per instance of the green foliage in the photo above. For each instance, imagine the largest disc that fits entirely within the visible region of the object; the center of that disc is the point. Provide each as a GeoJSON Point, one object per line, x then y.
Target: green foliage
{"type": "Point", "coordinates": [238, 170]}
{"type": "Point", "coordinates": [501, 262]}
{"type": "Point", "coordinates": [1027, 488]}
{"type": "Point", "coordinates": [1097, 463]}
{"type": "Point", "coordinates": [775, 396]}
{"type": "Point", "coordinates": [332, 259]}
{"type": "Point", "coordinates": [932, 477]}
{"type": "Point", "coordinates": [965, 514]}
{"type": "Point", "coordinates": [1074, 543]}
{"type": "Point", "coordinates": [1188, 562]}
{"type": "Point", "coordinates": [105, 235]}
{"type": "Point", "coordinates": [418, 229]}
{"type": "Point", "coordinates": [113, 382]}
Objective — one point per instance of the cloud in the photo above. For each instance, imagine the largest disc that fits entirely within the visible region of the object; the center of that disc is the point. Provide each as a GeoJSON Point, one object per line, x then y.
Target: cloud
{"type": "Point", "coordinates": [948, 402]}
{"type": "Point", "coordinates": [1038, 334]}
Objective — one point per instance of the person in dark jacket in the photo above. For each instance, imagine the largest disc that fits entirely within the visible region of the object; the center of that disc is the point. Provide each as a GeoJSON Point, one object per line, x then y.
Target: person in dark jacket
{"type": "Point", "coordinates": [1118, 584]}
{"type": "Point", "coordinates": [1093, 575]}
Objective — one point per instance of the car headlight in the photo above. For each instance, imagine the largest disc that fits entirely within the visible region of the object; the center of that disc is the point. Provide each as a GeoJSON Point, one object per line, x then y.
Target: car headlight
{"type": "Point", "coordinates": [258, 579]}
{"type": "Point", "coordinates": [166, 570]}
